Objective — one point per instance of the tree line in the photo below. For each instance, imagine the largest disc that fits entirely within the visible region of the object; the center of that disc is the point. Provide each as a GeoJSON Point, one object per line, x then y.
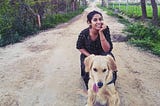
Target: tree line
{"type": "Point", "coordinates": [20, 18]}
{"type": "Point", "coordinates": [105, 3]}
{"type": "Point", "coordinates": [154, 11]}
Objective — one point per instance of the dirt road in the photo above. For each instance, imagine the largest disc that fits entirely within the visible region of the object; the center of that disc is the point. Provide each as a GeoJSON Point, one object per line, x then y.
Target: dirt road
{"type": "Point", "coordinates": [44, 70]}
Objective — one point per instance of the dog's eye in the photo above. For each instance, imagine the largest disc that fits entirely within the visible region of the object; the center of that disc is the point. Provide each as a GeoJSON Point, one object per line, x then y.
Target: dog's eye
{"type": "Point", "coordinates": [95, 69]}
{"type": "Point", "coordinates": [104, 70]}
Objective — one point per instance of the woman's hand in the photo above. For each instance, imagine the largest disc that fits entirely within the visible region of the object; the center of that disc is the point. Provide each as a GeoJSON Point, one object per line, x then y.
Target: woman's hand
{"type": "Point", "coordinates": [102, 28]}
{"type": "Point", "coordinates": [104, 42]}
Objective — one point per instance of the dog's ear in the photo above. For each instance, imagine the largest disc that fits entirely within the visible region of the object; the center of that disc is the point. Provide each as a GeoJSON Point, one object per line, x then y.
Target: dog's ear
{"type": "Point", "coordinates": [88, 62]}
{"type": "Point", "coordinates": [111, 63]}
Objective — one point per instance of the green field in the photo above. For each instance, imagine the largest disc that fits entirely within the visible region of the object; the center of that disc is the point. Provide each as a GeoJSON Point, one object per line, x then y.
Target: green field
{"type": "Point", "coordinates": [133, 10]}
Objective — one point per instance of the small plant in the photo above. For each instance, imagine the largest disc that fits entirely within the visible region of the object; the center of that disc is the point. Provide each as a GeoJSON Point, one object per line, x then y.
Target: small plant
{"type": "Point", "coordinates": [147, 38]}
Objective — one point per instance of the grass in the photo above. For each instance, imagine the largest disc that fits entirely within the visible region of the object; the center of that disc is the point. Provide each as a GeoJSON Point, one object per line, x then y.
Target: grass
{"type": "Point", "coordinates": [133, 10]}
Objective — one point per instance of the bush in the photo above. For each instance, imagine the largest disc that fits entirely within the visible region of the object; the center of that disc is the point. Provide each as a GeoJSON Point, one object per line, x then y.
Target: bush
{"type": "Point", "coordinates": [141, 32]}
{"type": "Point", "coordinates": [156, 49]}
{"type": "Point", "coordinates": [15, 23]}
{"type": "Point", "coordinates": [9, 39]}
{"type": "Point", "coordinates": [52, 20]}
{"type": "Point", "coordinates": [18, 19]}
{"type": "Point", "coordinates": [147, 38]}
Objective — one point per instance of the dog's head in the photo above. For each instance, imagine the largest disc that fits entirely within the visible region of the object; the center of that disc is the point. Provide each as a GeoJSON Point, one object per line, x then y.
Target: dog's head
{"type": "Point", "coordinates": [99, 68]}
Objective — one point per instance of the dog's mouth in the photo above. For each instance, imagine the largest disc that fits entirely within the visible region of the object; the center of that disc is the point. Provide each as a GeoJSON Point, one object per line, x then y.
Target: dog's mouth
{"type": "Point", "coordinates": [97, 86]}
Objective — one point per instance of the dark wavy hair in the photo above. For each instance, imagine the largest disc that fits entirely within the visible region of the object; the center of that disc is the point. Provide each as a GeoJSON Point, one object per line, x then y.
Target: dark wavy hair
{"type": "Point", "coordinates": [91, 14]}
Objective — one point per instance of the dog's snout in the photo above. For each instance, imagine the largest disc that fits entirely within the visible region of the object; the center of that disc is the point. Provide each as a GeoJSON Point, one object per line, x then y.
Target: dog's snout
{"type": "Point", "coordinates": [100, 84]}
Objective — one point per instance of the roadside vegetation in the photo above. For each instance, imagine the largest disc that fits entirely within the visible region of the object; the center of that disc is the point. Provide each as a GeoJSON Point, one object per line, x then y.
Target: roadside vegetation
{"type": "Point", "coordinates": [22, 18]}
{"type": "Point", "coordinates": [141, 33]}
{"type": "Point", "coordinates": [133, 10]}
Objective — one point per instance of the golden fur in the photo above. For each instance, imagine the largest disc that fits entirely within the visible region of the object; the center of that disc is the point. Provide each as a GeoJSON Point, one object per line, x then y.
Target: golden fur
{"type": "Point", "coordinates": [100, 70]}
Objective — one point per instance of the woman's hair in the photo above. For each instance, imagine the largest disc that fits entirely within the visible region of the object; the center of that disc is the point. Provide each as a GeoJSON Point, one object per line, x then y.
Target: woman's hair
{"type": "Point", "coordinates": [91, 14]}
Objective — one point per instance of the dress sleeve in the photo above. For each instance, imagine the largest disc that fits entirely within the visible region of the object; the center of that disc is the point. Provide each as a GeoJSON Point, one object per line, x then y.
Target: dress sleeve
{"type": "Point", "coordinates": [80, 42]}
{"type": "Point", "coordinates": [107, 36]}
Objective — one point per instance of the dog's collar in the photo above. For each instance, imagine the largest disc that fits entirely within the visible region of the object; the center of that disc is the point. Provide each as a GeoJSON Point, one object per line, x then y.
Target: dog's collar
{"type": "Point", "coordinates": [113, 78]}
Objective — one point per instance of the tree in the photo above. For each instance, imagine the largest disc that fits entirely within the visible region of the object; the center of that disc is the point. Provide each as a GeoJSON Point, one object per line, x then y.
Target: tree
{"type": "Point", "coordinates": [107, 3]}
{"type": "Point", "coordinates": [84, 2]}
{"type": "Point", "coordinates": [143, 7]}
{"type": "Point", "coordinates": [74, 5]}
{"type": "Point", "coordinates": [103, 3]}
{"type": "Point", "coordinates": [155, 12]}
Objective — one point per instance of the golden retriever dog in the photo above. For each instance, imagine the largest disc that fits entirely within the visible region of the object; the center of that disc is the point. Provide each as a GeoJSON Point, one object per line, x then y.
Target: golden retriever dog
{"type": "Point", "coordinates": [100, 91]}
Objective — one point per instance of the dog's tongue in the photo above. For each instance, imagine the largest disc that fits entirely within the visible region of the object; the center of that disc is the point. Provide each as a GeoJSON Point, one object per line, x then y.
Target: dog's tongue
{"type": "Point", "coordinates": [95, 88]}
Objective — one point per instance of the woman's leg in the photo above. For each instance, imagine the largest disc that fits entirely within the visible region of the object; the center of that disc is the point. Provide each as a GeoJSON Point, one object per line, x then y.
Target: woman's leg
{"type": "Point", "coordinates": [85, 75]}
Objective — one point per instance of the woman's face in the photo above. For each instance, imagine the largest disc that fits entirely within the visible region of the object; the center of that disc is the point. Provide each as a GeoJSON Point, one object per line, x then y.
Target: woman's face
{"type": "Point", "coordinates": [97, 22]}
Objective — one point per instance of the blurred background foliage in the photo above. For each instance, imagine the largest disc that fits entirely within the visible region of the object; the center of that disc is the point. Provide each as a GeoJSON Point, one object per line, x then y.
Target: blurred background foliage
{"type": "Point", "coordinates": [19, 18]}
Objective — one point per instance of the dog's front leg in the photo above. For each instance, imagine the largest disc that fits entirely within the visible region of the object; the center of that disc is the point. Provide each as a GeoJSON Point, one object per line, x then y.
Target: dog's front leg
{"type": "Point", "coordinates": [117, 100]}
{"type": "Point", "coordinates": [114, 100]}
{"type": "Point", "coordinates": [91, 98]}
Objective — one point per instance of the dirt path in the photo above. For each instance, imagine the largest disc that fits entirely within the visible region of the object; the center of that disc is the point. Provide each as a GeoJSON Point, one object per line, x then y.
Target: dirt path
{"type": "Point", "coordinates": [44, 70]}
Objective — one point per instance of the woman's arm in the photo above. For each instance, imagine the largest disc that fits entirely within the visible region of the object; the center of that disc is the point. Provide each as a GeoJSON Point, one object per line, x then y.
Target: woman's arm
{"type": "Point", "coordinates": [84, 51]}
{"type": "Point", "coordinates": [81, 42]}
{"type": "Point", "coordinates": [105, 44]}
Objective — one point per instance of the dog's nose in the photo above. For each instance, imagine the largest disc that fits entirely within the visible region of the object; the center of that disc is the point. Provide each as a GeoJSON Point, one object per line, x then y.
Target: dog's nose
{"type": "Point", "coordinates": [100, 84]}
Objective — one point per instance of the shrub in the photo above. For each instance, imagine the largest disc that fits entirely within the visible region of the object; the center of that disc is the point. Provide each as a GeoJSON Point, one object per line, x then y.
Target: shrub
{"type": "Point", "coordinates": [52, 20]}
{"type": "Point", "coordinates": [10, 38]}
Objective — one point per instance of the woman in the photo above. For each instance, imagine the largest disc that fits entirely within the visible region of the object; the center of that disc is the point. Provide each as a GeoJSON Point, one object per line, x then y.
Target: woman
{"type": "Point", "coordinates": [93, 40]}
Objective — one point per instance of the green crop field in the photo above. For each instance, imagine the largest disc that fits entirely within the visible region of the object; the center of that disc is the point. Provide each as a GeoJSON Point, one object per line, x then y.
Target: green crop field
{"type": "Point", "coordinates": [134, 10]}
